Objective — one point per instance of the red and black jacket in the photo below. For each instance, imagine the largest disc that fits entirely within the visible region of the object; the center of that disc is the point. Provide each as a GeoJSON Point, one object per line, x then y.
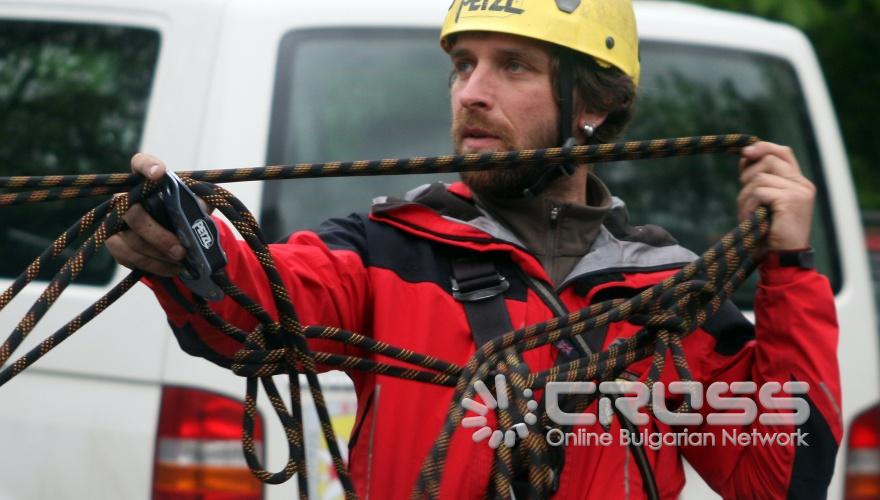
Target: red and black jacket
{"type": "Point", "coordinates": [387, 275]}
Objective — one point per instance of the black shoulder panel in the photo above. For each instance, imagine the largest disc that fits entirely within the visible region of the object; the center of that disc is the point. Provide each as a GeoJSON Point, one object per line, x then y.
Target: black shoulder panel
{"type": "Point", "coordinates": [417, 260]}
{"type": "Point", "coordinates": [730, 328]}
{"type": "Point", "coordinates": [413, 259]}
{"type": "Point", "coordinates": [348, 233]}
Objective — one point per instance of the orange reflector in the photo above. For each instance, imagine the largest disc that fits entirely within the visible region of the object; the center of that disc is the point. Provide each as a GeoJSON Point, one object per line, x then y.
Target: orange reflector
{"type": "Point", "coordinates": [862, 487]}
{"type": "Point", "coordinates": [201, 479]}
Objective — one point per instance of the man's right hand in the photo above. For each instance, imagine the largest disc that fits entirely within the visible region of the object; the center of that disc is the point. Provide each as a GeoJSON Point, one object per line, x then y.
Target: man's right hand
{"type": "Point", "coordinates": [146, 245]}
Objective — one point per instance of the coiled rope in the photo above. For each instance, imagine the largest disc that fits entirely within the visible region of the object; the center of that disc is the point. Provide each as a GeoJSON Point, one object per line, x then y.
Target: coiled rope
{"type": "Point", "coordinates": [667, 311]}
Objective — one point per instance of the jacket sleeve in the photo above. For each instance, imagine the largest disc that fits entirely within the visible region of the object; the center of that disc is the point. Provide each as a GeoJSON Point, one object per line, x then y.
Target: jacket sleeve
{"type": "Point", "coordinates": [324, 274]}
{"type": "Point", "coordinates": [795, 339]}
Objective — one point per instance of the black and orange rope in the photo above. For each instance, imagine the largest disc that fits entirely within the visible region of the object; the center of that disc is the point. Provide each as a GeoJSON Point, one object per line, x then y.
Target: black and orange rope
{"type": "Point", "coordinates": [667, 311]}
{"type": "Point", "coordinates": [36, 189]}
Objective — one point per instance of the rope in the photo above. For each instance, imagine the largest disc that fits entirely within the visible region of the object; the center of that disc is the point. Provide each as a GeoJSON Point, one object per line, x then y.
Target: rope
{"type": "Point", "coordinates": [65, 187]}
{"type": "Point", "coordinates": [666, 312]}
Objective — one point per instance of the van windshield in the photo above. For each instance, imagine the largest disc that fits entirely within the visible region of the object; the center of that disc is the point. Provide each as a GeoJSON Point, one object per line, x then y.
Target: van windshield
{"type": "Point", "coordinates": [368, 94]}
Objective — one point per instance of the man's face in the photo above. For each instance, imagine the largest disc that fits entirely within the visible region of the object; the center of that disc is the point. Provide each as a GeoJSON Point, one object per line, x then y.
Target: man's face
{"type": "Point", "coordinates": [502, 100]}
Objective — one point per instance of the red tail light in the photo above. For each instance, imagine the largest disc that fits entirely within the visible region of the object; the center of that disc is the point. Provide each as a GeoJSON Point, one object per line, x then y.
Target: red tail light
{"type": "Point", "coordinates": [863, 457]}
{"type": "Point", "coordinates": [198, 448]}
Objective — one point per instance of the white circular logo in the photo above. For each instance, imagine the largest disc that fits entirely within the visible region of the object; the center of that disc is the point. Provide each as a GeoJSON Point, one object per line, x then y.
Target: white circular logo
{"type": "Point", "coordinates": [491, 402]}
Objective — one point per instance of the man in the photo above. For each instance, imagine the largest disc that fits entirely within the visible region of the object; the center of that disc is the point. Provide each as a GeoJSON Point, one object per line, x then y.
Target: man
{"type": "Point", "coordinates": [534, 74]}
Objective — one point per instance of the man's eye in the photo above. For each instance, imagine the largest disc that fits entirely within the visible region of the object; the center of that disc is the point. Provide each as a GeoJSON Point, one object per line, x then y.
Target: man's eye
{"type": "Point", "coordinates": [463, 66]}
{"type": "Point", "coordinates": [515, 67]}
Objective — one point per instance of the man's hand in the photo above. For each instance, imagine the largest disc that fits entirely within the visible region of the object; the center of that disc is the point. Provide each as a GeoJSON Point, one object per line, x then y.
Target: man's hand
{"type": "Point", "coordinates": [147, 245]}
{"type": "Point", "coordinates": [770, 176]}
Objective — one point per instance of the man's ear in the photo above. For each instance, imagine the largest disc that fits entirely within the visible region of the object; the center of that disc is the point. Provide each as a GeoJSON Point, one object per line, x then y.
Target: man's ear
{"type": "Point", "coordinates": [592, 119]}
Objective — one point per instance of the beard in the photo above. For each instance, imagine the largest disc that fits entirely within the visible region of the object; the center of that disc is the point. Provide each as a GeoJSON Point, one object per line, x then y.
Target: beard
{"type": "Point", "coordinates": [503, 183]}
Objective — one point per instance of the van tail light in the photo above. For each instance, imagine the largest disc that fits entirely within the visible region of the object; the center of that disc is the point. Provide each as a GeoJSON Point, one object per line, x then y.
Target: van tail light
{"type": "Point", "coordinates": [863, 456]}
{"type": "Point", "coordinates": [198, 448]}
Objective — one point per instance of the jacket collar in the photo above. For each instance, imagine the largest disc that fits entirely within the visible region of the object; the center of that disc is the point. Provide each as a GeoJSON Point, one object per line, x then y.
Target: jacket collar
{"type": "Point", "coordinates": [448, 214]}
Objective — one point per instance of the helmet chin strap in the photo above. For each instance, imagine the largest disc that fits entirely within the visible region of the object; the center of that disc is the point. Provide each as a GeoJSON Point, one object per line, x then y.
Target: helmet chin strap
{"type": "Point", "coordinates": [565, 80]}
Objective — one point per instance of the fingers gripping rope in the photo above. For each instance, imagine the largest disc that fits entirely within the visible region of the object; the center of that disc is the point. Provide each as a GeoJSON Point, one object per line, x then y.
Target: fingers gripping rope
{"type": "Point", "coordinates": [667, 312]}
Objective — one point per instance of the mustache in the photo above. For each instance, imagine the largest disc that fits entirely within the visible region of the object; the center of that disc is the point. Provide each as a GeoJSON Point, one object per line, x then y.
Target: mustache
{"type": "Point", "coordinates": [467, 119]}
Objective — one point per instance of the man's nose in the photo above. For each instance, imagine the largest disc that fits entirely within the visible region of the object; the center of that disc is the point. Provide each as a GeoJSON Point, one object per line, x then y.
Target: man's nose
{"type": "Point", "coordinates": [478, 90]}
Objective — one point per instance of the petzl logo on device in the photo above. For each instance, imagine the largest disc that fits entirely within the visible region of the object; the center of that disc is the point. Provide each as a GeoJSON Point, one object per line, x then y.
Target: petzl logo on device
{"type": "Point", "coordinates": [201, 230]}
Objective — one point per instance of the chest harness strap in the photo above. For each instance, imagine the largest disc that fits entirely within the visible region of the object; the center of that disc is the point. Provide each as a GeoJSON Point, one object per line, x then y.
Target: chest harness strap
{"type": "Point", "coordinates": [478, 285]}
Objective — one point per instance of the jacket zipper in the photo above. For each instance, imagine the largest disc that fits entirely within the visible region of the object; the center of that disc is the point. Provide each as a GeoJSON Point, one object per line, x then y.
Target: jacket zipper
{"type": "Point", "coordinates": [552, 236]}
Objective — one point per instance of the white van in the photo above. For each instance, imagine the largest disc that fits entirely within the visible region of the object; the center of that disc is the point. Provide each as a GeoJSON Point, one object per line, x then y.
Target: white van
{"type": "Point", "coordinates": [119, 411]}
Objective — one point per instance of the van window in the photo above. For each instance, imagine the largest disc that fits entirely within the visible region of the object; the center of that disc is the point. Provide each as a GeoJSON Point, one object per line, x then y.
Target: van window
{"type": "Point", "coordinates": [73, 99]}
{"type": "Point", "coordinates": [352, 95]}
{"type": "Point", "coordinates": [368, 94]}
{"type": "Point", "coordinates": [690, 90]}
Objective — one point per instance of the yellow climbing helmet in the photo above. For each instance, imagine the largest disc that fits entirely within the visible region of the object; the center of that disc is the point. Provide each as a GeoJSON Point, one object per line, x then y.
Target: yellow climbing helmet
{"type": "Point", "coordinates": [603, 29]}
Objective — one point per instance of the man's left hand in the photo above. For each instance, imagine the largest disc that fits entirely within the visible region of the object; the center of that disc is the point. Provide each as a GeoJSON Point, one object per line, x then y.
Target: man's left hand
{"type": "Point", "coordinates": [770, 175]}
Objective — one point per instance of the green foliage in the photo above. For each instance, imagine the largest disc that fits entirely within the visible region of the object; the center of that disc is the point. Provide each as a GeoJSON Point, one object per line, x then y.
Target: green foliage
{"type": "Point", "coordinates": [846, 38]}
{"type": "Point", "coordinates": [72, 100]}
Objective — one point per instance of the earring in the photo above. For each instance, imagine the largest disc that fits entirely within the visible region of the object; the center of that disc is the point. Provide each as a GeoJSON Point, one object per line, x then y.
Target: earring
{"type": "Point", "coordinates": [589, 130]}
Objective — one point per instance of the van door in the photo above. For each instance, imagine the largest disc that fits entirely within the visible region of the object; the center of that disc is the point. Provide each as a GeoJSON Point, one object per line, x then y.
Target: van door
{"type": "Point", "coordinates": [83, 87]}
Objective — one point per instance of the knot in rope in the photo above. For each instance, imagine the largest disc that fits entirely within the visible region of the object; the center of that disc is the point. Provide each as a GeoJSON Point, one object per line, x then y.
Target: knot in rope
{"type": "Point", "coordinates": [255, 360]}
